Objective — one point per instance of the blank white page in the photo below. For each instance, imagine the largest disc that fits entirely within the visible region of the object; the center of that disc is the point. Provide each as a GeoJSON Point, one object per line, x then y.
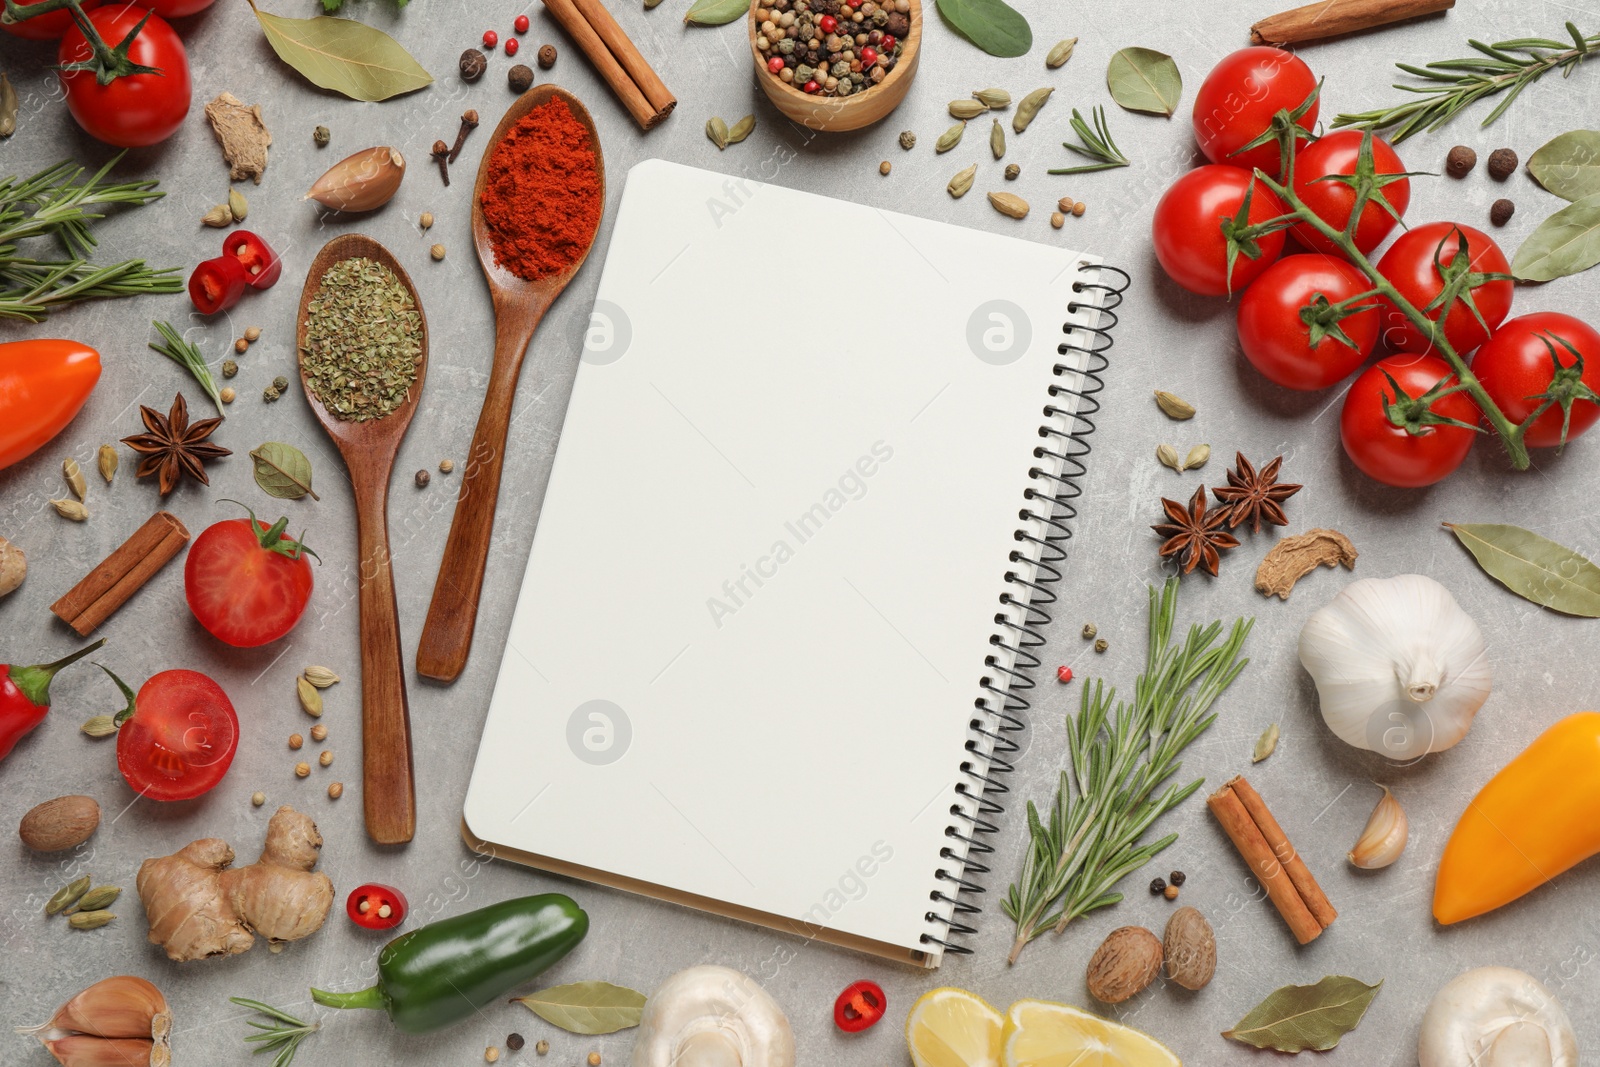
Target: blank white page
{"type": "Point", "coordinates": [775, 537]}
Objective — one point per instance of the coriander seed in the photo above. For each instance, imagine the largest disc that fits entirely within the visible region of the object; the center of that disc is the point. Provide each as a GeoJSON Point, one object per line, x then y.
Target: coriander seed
{"type": "Point", "coordinates": [425, 220]}
{"type": "Point", "coordinates": [252, 334]}
{"type": "Point", "coordinates": [884, 168]}
{"type": "Point", "coordinates": [295, 740]}
{"type": "Point", "coordinates": [423, 477]}
{"type": "Point", "coordinates": [336, 790]}
{"type": "Point", "coordinates": [302, 770]}
{"type": "Point", "coordinates": [319, 732]}
{"type": "Point", "coordinates": [514, 1042]}
{"type": "Point", "coordinates": [1501, 211]}
{"type": "Point", "coordinates": [1171, 892]}
{"type": "Point", "coordinates": [437, 252]}
{"type": "Point", "coordinates": [241, 346]}
{"type": "Point", "coordinates": [321, 136]}
{"type": "Point", "coordinates": [1065, 204]}
{"type": "Point", "coordinates": [1078, 209]}
{"type": "Point", "coordinates": [1502, 164]}
{"type": "Point", "coordinates": [520, 78]}
{"type": "Point", "coordinates": [542, 1047]}
{"type": "Point", "coordinates": [1460, 161]}
{"type": "Point", "coordinates": [547, 59]}
{"type": "Point", "coordinates": [229, 368]}
{"type": "Point", "coordinates": [227, 395]}
{"type": "Point", "coordinates": [258, 798]}
{"type": "Point", "coordinates": [594, 1059]}
{"type": "Point", "coordinates": [1057, 219]}
{"type": "Point", "coordinates": [446, 466]}
{"type": "Point", "coordinates": [326, 757]}
{"type": "Point", "coordinates": [491, 1054]}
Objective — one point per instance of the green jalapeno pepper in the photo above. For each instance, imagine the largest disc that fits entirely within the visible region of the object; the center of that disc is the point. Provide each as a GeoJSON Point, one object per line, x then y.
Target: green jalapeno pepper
{"type": "Point", "coordinates": [445, 971]}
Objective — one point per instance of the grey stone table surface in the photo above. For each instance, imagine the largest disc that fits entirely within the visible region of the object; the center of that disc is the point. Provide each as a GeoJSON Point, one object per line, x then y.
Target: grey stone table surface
{"type": "Point", "coordinates": [1544, 665]}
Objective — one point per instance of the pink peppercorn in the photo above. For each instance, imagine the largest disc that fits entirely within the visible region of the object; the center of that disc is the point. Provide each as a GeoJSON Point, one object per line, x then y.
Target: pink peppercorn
{"type": "Point", "coordinates": [511, 46]}
{"type": "Point", "coordinates": [490, 38]}
{"type": "Point", "coordinates": [1064, 674]}
{"type": "Point", "coordinates": [521, 24]}
{"type": "Point", "coordinates": [812, 86]}
{"type": "Point", "coordinates": [775, 64]}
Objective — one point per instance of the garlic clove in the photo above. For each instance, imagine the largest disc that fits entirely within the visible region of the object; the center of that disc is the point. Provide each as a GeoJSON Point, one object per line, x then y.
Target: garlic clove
{"type": "Point", "coordinates": [81, 1050]}
{"type": "Point", "coordinates": [124, 1006]}
{"type": "Point", "coordinates": [1384, 838]}
{"type": "Point", "coordinates": [361, 182]}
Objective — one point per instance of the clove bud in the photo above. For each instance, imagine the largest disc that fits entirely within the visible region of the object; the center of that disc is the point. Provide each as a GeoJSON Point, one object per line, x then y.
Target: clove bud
{"type": "Point", "coordinates": [362, 182]}
{"type": "Point", "coordinates": [441, 155]}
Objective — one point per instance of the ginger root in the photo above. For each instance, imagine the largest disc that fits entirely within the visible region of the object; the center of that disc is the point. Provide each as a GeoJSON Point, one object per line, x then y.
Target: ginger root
{"type": "Point", "coordinates": [198, 906]}
{"type": "Point", "coordinates": [1295, 557]}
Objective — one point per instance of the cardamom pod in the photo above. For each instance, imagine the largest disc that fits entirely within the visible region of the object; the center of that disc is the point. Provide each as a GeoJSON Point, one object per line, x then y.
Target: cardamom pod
{"type": "Point", "coordinates": [741, 129]}
{"type": "Point", "coordinates": [1168, 456]}
{"type": "Point", "coordinates": [100, 726]}
{"type": "Point", "coordinates": [950, 138]}
{"type": "Point", "coordinates": [218, 217]}
{"type": "Point", "coordinates": [310, 699]}
{"type": "Point", "coordinates": [70, 509]}
{"type": "Point", "coordinates": [321, 677]}
{"type": "Point", "coordinates": [997, 140]}
{"type": "Point", "coordinates": [717, 132]}
{"type": "Point", "coordinates": [967, 109]}
{"type": "Point", "coordinates": [648, 4]}
{"type": "Point", "coordinates": [98, 898]}
{"type": "Point", "coordinates": [962, 182]}
{"type": "Point", "coordinates": [993, 99]}
{"type": "Point", "coordinates": [1009, 204]}
{"type": "Point", "coordinates": [1174, 406]}
{"type": "Point", "coordinates": [74, 476]}
{"type": "Point", "coordinates": [367, 180]}
{"type": "Point", "coordinates": [1029, 108]}
{"type": "Point", "coordinates": [1060, 52]}
{"type": "Point", "coordinates": [238, 205]}
{"type": "Point", "coordinates": [89, 920]}
{"type": "Point", "coordinates": [1197, 457]}
{"type": "Point", "coordinates": [107, 460]}
{"type": "Point", "coordinates": [67, 895]}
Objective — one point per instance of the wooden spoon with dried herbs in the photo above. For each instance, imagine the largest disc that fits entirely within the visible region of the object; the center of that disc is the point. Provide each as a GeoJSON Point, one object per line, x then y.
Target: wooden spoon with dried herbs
{"type": "Point", "coordinates": [363, 344]}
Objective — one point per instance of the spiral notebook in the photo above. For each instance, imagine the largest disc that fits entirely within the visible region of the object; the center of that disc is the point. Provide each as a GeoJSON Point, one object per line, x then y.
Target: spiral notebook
{"type": "Point", "coordinates": [810, 497]}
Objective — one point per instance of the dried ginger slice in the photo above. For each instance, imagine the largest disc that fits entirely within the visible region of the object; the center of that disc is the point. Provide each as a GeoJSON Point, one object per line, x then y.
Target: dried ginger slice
{"type": "Point", "coordinates": [1295, 557]}
{"type": "Point", "coordinates": [242, 134]}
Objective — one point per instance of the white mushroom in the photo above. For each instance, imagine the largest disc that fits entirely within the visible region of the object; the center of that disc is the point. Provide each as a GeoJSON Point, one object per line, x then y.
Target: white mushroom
{"type": "Point", "coordinates": [713, 1017]}
{"type": "Point", "coordinates": [1496, 1017]}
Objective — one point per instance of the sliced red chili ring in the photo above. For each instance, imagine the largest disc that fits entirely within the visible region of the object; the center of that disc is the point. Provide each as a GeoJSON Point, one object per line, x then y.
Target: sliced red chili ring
{"type": "Point", "coordinates": [262, 266]}
{"type": "Point", "coordinates": [859, 1006]}
{"type": "Point", "coordinates": [217, 284]}
{"type": "Point", "coordinates": [376, 907]}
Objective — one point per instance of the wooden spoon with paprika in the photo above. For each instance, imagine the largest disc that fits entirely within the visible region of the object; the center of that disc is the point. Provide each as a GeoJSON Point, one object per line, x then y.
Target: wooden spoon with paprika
{"type": "Point", "coordinates": [519, 304]}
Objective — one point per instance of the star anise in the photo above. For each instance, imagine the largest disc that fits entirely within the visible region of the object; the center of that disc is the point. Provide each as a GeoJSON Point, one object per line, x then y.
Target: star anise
{"type": "Point", "coordinates": [172, 446]}
{"type": "Point", "coordinates": [1194, 535]}
{"type": "Point", "coordinates": [1253, 495]}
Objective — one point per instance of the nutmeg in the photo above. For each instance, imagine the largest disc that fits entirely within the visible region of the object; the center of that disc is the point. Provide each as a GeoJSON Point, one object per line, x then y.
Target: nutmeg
{"type": "Point", "coordinates": [1124, 965]}
{"type": "Point", "coordinates": [1190, 949]}
{"type": "Point", "coordinates": [58, 824]}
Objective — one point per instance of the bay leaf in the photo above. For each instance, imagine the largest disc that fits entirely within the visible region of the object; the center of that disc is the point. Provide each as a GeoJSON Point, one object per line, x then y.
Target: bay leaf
{"type": "Point", "coordinates": [716, 12]}
{"type": "Point", "coordinates": [283, 471]}
{"type": "Point", "coordinates": [1298, 1017]}
{"type": "Point", "coordinates": [1534, 567]}
{"type": "Point", "coordinates": [1565, 243]}
{"type": "Point", "coordinates": [1266, 744]}
{"type": "Point", "coordinates": [1569, 165]}
{"type": "Point", "coordinates": [346, 56]}
{"type": "Point", "coordinates": [992, 25]}
{"type": "Point", "coordinates": [587, 1007]}
{"type": "Point", "coordinates": [1142, 79]}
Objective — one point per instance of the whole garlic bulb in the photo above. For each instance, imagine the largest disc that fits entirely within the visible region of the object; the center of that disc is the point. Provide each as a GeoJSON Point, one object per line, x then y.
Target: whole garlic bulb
{"type": "Point", "coordinates": [1400, 668]}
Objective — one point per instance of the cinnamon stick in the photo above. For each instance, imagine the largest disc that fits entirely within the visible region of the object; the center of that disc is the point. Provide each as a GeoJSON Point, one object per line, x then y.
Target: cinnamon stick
{"type": "Point", "coordinates": [1252, 845]}
{"type": "Point", "coordinates": [610, 63]}
{"type": "Point", "coordinates": [1316, 900]}
{"type": "Point", "coordinates": [631, 59]}
{"type": "Point", "coordinates": [1330, 18]}
{"type": "Point", "coordinates": [121, 574]}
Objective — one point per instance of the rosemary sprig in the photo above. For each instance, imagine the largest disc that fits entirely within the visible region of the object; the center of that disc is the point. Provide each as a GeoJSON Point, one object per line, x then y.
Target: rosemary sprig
{"type": "Point", "coordinates": [1119, 756]}
{"type": "Point", "coordinates": [285, 1038]}
{"type": "Point", "coordinates": [189, 358]}
{"type": "Point", "coordinates": [1455, 84]}
{"type": "Point", "coordinates": [1097, 144]}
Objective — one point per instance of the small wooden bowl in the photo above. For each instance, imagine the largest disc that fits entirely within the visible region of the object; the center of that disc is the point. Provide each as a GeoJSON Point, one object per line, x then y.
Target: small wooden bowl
{"type": "Point", "coordinates": [834, 113]}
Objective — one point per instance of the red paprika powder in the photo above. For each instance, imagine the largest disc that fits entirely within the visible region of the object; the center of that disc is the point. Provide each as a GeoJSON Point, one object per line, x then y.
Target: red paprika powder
{"type": "Point", "coordinates": [542, 200]}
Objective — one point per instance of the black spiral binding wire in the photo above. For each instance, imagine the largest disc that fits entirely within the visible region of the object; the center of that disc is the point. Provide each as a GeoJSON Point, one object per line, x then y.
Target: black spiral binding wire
{"type": "Point", "coordinates": [1050, 503]}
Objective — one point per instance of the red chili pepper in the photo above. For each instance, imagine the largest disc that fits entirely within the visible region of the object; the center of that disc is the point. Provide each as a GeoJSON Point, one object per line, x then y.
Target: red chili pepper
{"type": "Point", "coordinates": [376, 907]}
{"type": "Point", "coordinates": [217, 284]}
{"type": "Point", "coordinates": [262, 266]}
{"type": "Point", "coordinates": [25, 696]}
{"type": "Point", "coordinates": [859, 1006]}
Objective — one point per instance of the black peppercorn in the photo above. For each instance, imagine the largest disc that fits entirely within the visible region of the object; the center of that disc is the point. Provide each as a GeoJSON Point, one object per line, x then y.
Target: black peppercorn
{"type": "Point", "coordinates": [520, 78]}
{"type": "Point", "coordinates": [1501, 212]}
{"type": "Point", "coordinates": [514, 1042]}
{"type": "Point", "coordinates": [423, 478]}
{"type": "Point", "coordinates": [1502, 164]}
{"type": "Point", "coordinates": [472, 65]}
{"type": "Point", "coordinates": [547, 56]}
{"type": "Point", "coordinates": [1157, 886]}
{"type": "Point", "coordinates": [1177, 877]}
{"type": "Point", "coordinates": [1460, 161]}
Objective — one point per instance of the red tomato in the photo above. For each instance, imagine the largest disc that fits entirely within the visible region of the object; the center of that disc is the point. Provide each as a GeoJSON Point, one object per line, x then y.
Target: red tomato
{"type": "Point", "coordinates": [1331, 200]}
{"type": "Point", "coordinates": [1416, 454]}
{"type": "Point", "coordinates": [176, 739]}
{"type": "Point", "coordinates": [135, 109]}
{"type": "Point", "coordinates": [246, 582]}
{"type": "Point", "coordinates": [1277, 313]}
{"type": "Point", "coordinates": [176, 9]}
{"type": "Point", "coordinates": [44, 27]}
{"type": "Point", "coordinates": [1236, 103]}
{"type": "Point", "coordinates": [1516, 367]}
{"type": "Point", "coordinates": [1409, 267]}
{"type": "Point", "coordinates": [1188, 229]}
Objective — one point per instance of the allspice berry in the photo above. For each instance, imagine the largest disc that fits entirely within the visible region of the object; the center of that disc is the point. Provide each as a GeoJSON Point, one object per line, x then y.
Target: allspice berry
{"type": "Point", "coordinates": [547, 56]}
{"type": "Point", "coordinates": [1502, 164]}
{"type": "Point", "coordinates": [472, 65]}
{"type": "Point", "coordinates": [1460, 161]}
{"type": "Point", "coordinates": [423, 477]}
{"type": "Point", "coordinates": [520, 78]}
{"type": "Point", "coordinates": [1502, 210]}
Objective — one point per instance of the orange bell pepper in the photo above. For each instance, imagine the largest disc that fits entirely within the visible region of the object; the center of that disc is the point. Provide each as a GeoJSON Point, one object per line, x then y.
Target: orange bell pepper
{"type": "Point", "coordinates": [43, 384]}
{"type": "Point", "coordinates": [1539, 817]}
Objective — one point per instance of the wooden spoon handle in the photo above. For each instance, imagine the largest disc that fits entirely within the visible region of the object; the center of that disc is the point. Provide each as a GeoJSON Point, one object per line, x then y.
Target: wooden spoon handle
{"type": "Point", "coordinates": [388, 789]}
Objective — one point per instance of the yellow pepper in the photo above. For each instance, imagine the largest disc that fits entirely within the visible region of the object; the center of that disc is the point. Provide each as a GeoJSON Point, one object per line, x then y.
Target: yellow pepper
{"type": "Point", "coordinates": [1539, 817]}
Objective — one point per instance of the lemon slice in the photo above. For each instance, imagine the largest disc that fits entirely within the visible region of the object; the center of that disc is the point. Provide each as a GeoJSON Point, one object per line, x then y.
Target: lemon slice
{"type": "Point", "coordinates": [952, 1028]}
{"type": "Point", "coordinates": [1041, 1034]}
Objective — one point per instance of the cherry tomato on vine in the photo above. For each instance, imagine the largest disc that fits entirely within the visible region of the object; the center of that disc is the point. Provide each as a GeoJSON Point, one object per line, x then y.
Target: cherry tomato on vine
{"type": "Point", "coordinates": [247, 583]}
{"type": "Point", "coordinates": [1424, 450]}
{"type": "Point", "coordinates": [376, 907]}
{"type": "Point", "coordinates": [1189, 226]}
{"type": "Point", "coordinates": [176, 739]}
{"type": "Point", "coordinates": [1517, 368]}
{"type": "Point", "coordinates": [48, 27]}
{"type": "Point", "coordinates": [1290, 304]}
{"type": "Point", "coordinates": [1317, 169]}
{"type": "Point", "coordinates": [860, 1006]}
{"type": "Point", "coordinates": [176, 9]}
{"type": "Point", "coordinates": [141, 107]}
{"type": "Point", "coordinates": [1409, 266]}
{"type": "Point", "coordinates": [1237, 100]}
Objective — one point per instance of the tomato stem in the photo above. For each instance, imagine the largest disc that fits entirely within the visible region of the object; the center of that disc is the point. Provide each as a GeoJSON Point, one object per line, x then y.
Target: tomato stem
{"type": "Point", "coordinates": [108, 64]}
